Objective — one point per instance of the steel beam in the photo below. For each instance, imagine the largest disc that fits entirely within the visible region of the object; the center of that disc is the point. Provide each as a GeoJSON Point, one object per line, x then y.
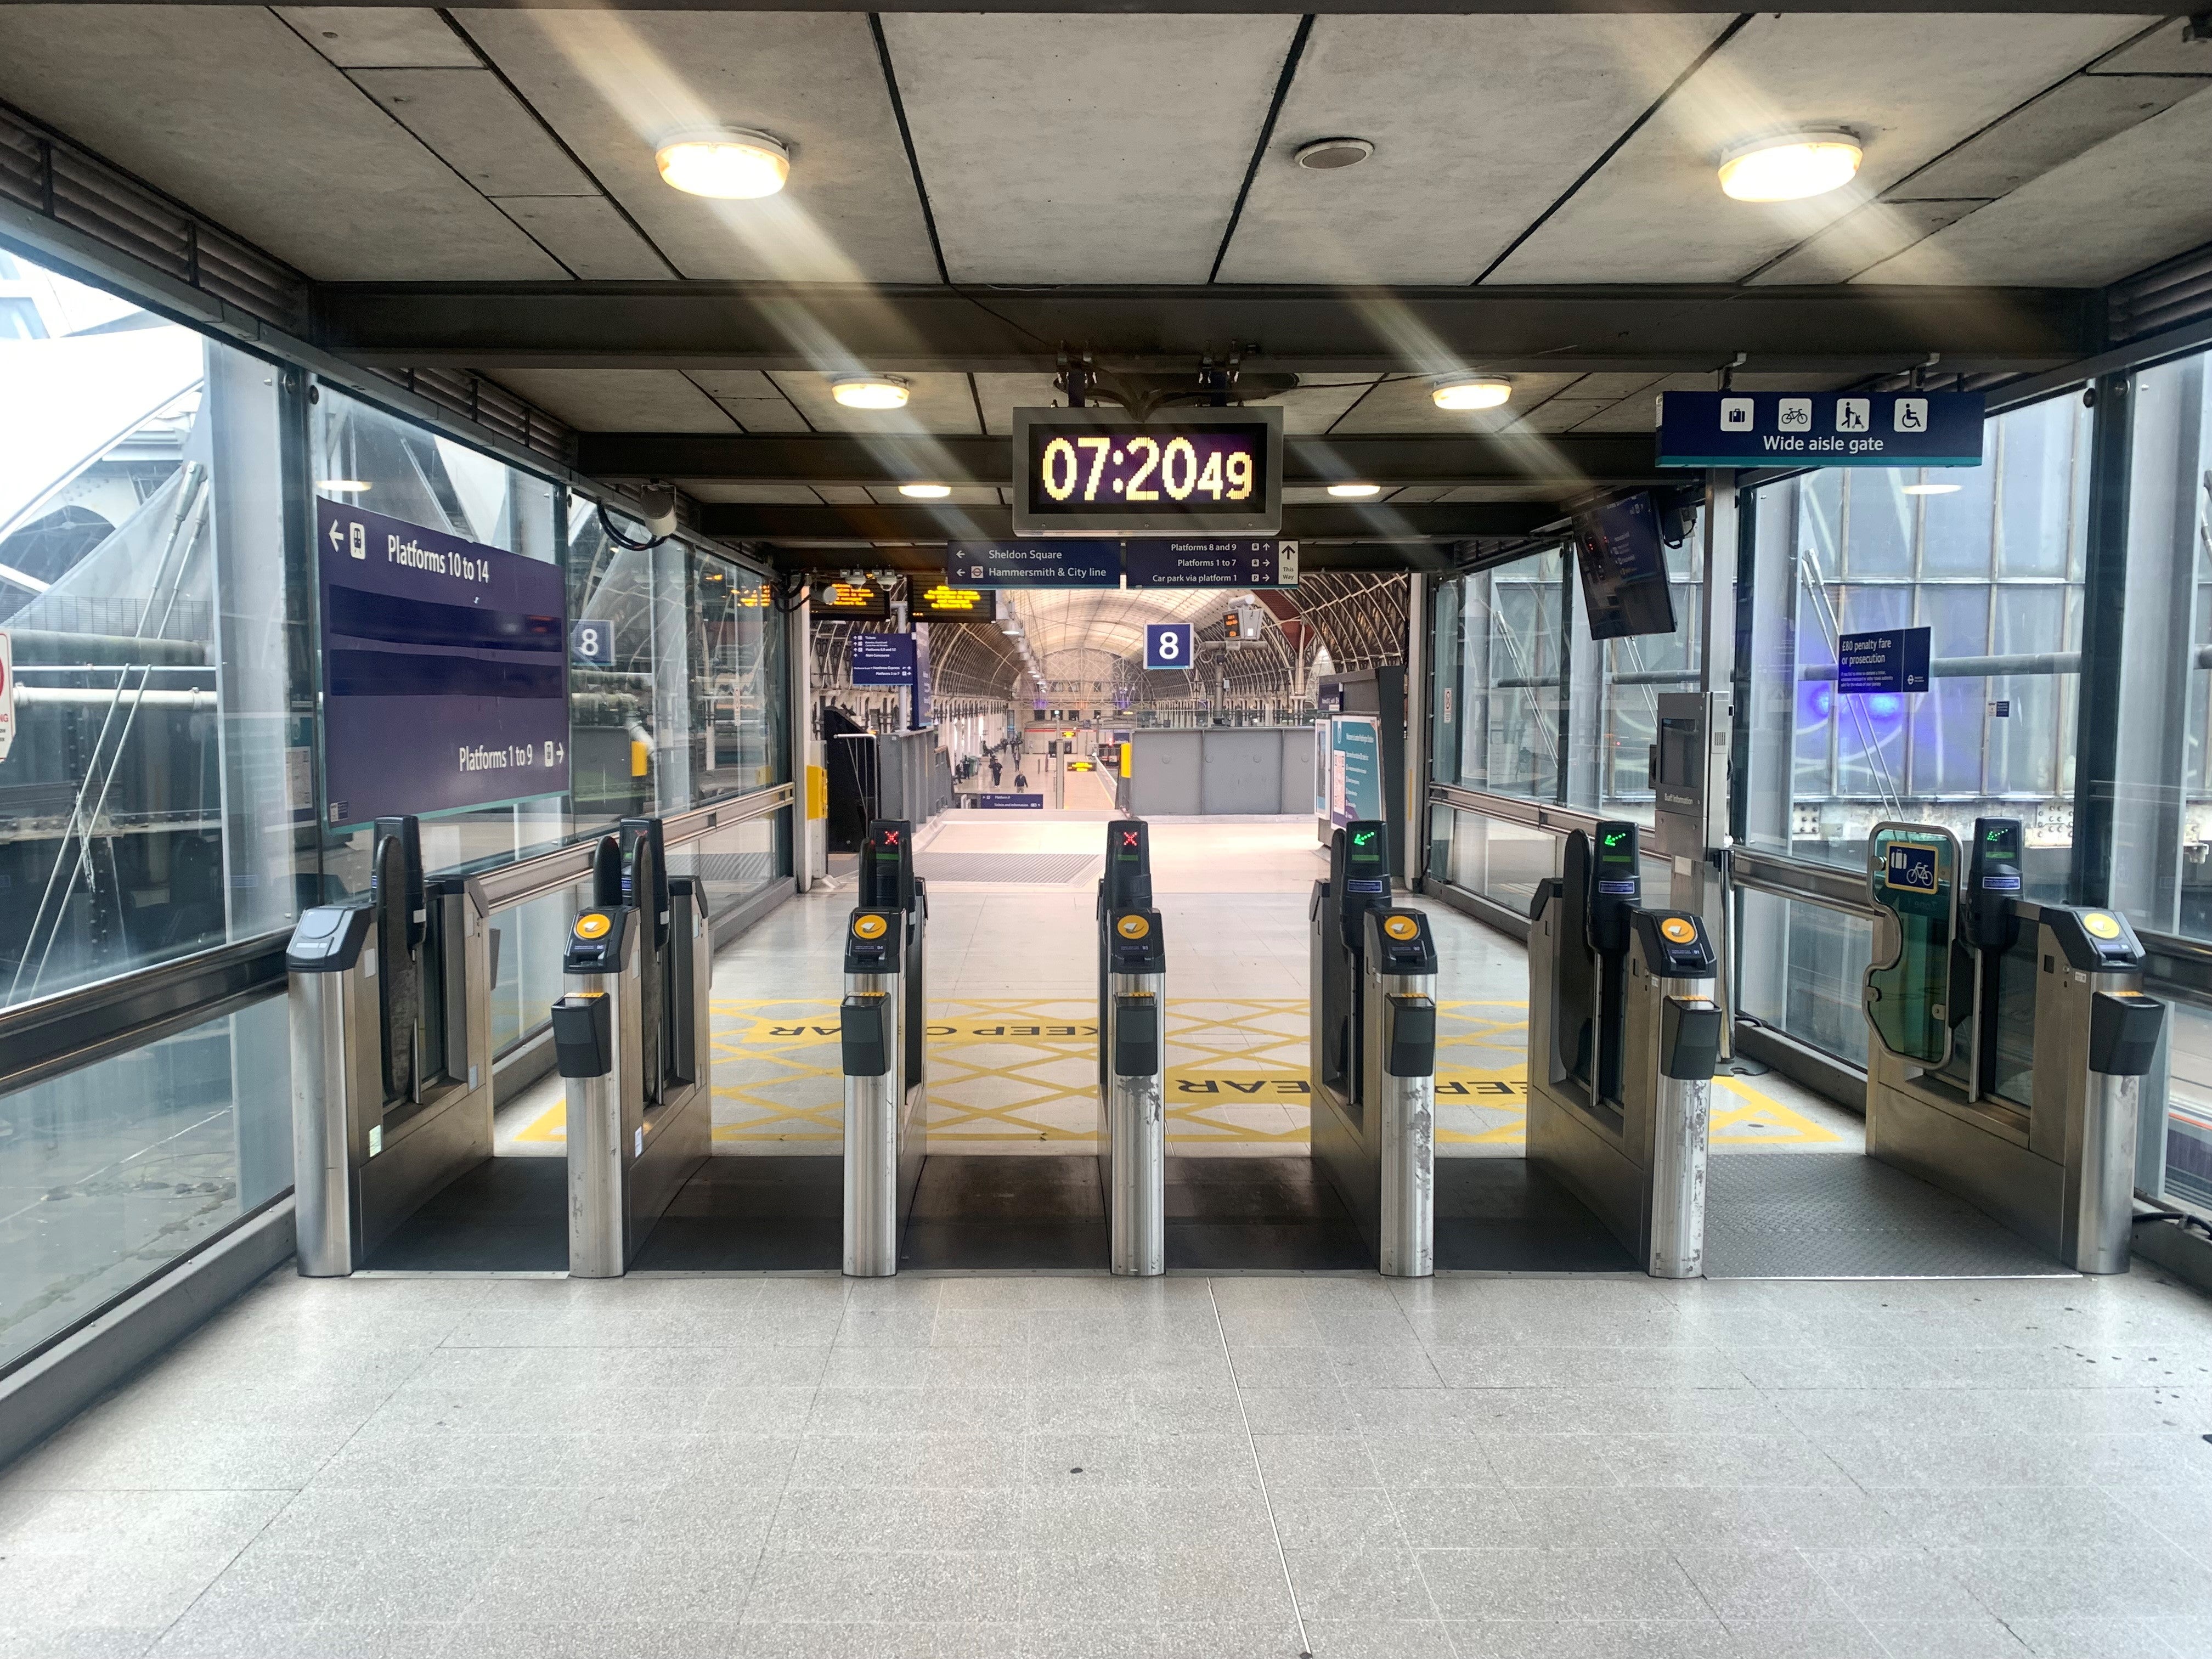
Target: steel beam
{"type": "Point", "coordinates": [1838, 329]}
{"type": "Point", "coordinates": [1277, 7]}
{"type": "Point", "coordinates": [865, 523]}
{"type": "Point", "coordinates": [1563, 459]}
{"type": "Point", "coordinates": [917, 559]}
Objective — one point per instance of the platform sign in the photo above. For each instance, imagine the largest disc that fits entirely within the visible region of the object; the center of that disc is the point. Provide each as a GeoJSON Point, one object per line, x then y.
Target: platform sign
{"type": "Point", "coordinates": [1058, 562]}
{"type": "Point", "coordinates": [1820, 428]}
{"type": "Point", "coordinates": [1168, 644]}
{"type": "Point", "coordinates": [7, 695]}
{"type": "Point", "coordinates": [994, 803]}
{"type": "Point", "coordinates": [445, 670]}
{"type": "Point", "coordinates": [1211, 562]}
{"type": "Point", "coordinates": [1892, 660]}
{"type": "Point", "coordinates": [592, 642]}
{"type": "Point", "coordinates": [883, 659]}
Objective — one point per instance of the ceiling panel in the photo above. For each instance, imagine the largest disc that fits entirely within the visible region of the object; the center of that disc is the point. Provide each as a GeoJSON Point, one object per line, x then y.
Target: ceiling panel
{"type": "Point", "coordinates": [754, 401]}
{"type": "Point", "coordinates": [2138, 197]}
{"type": "Point", "coordinates": [479, 128]}
{"type": "Point", "coordinates": [1912, 86]}
{"type": "Point", "coordinates": [617, 85]}
{"type": "Point", "coordinates": [2162, 51]}
{"type": "Point", "coordinates": [962, 495]}
{"type": "Point", "coordinates": [748, 495]}
{"type": "Point", "coordinates": [1874, 233]}
{"type": "Point", "coordinates": [381, 37]}
{"type": "Point", "coordinates": [587, 234]}
{"type": "Point", "coordinates": [1318, 401]}
{"type": "Point", "coordinates": [1084, 148]}
{"type": "Point", "coordinates": [229, 110]}
{"type": "Point", "coordinates": [1478, 124]}
{"type": "Point", "coordinates": [1563, 414]}
{"type": "Point", "coordinates": [1001, 394]}
{"type": "Point", "coordinates": [935, 403]}
{"type": "Point", "coordinates": [2070, 118]}
{"type": "Point", "coordinates": [619, 399]}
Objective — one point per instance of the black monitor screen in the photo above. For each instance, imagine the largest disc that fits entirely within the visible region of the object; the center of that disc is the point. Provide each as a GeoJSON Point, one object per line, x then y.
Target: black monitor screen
{"type": "Point", "coordinates": [1624, 567]}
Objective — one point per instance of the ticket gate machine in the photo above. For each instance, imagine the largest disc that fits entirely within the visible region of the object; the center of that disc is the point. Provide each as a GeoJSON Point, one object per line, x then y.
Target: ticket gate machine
{"type": "Point", "coordinates": [1624, 1033]}
{"type": "Point", "coordinates": [1132, 1053]}
{"type": "Point", "coordinates": [884, 1026]}
{"type": "Point", "coordinates": [390, 1033]}
{"type": "Point", "coordinates": [1373, 1052]}
{"type": "Point", "coordinates": [631, 1039]}
{"type": "Point", "coordinates": [2010, 1040]}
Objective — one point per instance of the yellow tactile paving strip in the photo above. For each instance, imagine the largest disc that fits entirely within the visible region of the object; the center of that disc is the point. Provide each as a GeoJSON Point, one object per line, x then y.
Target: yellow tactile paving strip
{"type": "Point", "coordinates": [1023, 1074]}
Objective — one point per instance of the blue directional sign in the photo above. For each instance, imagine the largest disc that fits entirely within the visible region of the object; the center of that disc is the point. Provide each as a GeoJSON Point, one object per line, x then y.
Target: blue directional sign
{"type": "Point", "coordinates": [1167, 645]}
{"type": "Point", "coordinates": [1890, 660]}
{"type": "Point", "coordinates": [1060, 562]}
{"type": "Point", "coordinates": [883, 659]}
{"type": "Point", "coordinates": [1820, 428]}
{"type": "Point", "coordinates": [1211, 562]}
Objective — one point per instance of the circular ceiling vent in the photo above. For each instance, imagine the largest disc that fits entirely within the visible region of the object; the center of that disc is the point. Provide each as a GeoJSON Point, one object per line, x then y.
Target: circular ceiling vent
{"type": "Point", "coordinates": [1332, 154]}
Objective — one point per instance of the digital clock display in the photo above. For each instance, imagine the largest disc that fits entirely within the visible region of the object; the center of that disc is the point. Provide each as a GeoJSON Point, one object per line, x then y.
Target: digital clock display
{"type": "Point", "coordinates": [1081, 471]}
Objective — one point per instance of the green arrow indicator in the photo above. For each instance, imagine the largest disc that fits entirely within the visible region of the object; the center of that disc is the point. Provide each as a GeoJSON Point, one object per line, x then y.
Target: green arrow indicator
{"type": "Point", "coordinates": [1362, 840]}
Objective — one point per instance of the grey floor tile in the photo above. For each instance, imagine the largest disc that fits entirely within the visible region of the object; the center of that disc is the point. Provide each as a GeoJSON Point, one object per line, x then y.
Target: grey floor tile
{"type": "Point", "coordinates": [1803, 1638]}
{"type": "Point", "coordinates": [1592, 1639]}
{"type": "Point", "coordinates": [1374, 1638]}
{"type": "Point", "coordinates": [1894, 1582]}
{"type": "Point", "coordinates": [1757, 1581]}
{"type": "Point", "coordinates": [1983, 1638]}
{"type": "Point", "coordinates": [2092, 1639]}
{"type": "Point", "coordinates": [2085, 1580]}
{"type": "Point", "coordinates": [1547, 1585]}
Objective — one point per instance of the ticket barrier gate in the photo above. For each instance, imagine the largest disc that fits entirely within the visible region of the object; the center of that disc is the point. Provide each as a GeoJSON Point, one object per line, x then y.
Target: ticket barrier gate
{"type": "Point", "coordinates": [1373, 1047]}
{"type": "Point", "coordinates": [2010, 1040]}
{"type": "Point", "coordinates": [391, 1035]}
{"type": "Point", "coordinates": [883, 1027]}
{"type": "Point", "coordinates": [1132, 1055]}
{"type": "Point", "coordinates": [631, 1039]}
{"type": "Point", "coordinates": [1624, 1034]}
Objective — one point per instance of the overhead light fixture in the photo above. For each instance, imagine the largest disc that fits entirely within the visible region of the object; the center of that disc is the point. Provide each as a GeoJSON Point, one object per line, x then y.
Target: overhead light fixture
{"type": "Point", "coordinates": [1476, 392]}
{"type": "Point", "coordinates": [731, 163]}
{"type": "Point", "coordinates": [342, 486]}
{"type": "Point", "coordinates": [1791, 166]}
{"type": "Point", "coordinates": [870, 390]}
{"type": "Point", "coordinates": [926, 492]}
{"type": "Point", "coordinates": [1354, 492]}
{"type": "Point", "coordinates": [1933, 489]}
{"type": "Point", "coordinates": [1332, 154]}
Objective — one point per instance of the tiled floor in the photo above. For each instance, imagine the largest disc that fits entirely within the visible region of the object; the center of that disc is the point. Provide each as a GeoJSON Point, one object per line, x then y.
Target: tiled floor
{"type": "Point", "coordinates": [966, 1468]}
{"type": "Point", "coordinates": [970, 1467]}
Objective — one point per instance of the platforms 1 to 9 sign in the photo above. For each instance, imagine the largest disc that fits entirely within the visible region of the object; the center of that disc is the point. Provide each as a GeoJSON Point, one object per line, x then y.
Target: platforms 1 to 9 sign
{"type": "Point", "coordinates": [1083, 473]}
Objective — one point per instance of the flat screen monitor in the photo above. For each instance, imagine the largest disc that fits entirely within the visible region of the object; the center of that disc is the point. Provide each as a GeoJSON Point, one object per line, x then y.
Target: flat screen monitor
{"type": "Point", "coordinates": [1623, 568]}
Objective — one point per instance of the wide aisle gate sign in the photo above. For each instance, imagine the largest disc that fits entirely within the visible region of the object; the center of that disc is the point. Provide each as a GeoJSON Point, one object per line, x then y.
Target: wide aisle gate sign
{"type": "Point", "coordinates": [445, 670]}
{"type": "Point", "coordinates": [1820, 428]}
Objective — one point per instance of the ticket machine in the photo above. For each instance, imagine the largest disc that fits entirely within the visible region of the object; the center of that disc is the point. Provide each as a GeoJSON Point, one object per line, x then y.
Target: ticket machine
{"type": "Point", "coordinates": [1373, 1052]}
{"type": "Point", "coordinates": [2010, 1039]}
{"type": "Point", "coordinates": [882, 1025]}
{"type": "Point", "coordinates": [631, 1039]}
{"type": "Point", "coordinates": [391, 1032]}
{"type": "Point", "coordinates": [1624, 1033]}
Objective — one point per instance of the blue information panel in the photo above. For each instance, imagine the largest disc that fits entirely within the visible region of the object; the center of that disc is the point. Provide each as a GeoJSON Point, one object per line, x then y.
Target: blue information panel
{"type": "Point", "coordinates": [1060, 562]}
{"type": "Point", "coordinates": [1167, 645]}
{"type": "Point", "coordinates": [1009, 803]}
{"type": "Point", "coordinates": [1893, 660]}
{"type": "Point", "coordinates": [883, 659]}
{"type": "Point", "coordinates": [1910, 869]}
{"type": "Point", "coordinates": [445, 673]}
{"type": "Point", "coordinates": [1211, 562]}
{"type": "Point", "coordinates": [1820, 428]}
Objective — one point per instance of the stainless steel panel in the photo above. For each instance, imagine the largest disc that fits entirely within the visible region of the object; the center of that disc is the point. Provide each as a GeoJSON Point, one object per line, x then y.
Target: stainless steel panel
{"type": "Point", "coordinates": [874, 1109]}
{"type": "Point", "coordinates": [604, 1118]}
{"type": "Point", "coordinates": [2098, 1224]}
{"type": "Point", "coordinates": [1999, 1176]}
{"type": "Point", "coordinates": [1132, 1143]}
{"type": "Point", "coordinates": [322, 1172]}
{"type": "Point", "coordinates": [1401, 1118]}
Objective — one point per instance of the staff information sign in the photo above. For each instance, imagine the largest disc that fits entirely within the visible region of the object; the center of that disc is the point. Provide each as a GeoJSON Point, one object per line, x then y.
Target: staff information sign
{"type": "Point", "coordinates": [1820, 428]}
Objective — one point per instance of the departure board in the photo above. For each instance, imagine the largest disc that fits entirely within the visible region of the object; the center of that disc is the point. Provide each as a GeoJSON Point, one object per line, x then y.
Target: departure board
{"type": "Point", "coordinates": [1082, 471]}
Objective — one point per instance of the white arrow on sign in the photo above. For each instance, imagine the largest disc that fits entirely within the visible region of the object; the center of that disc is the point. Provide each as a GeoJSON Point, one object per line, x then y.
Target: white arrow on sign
{"type": "Point", "coordinates": [336, 540]}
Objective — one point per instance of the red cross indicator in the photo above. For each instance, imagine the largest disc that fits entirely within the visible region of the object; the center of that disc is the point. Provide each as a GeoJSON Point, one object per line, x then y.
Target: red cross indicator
{"type": "Point", "coordinates": [890, 837]}
{"type": "Point", "coordinates": [1128, 838]}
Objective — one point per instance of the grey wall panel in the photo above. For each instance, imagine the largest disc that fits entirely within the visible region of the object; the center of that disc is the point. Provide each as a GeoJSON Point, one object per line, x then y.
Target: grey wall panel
{"type": "Point", "coordinates": [1242, 773]}
{"type": "Point", "coordinates": [1164, 775]}
{"type": "Point", "coordinates": [1297, 771]}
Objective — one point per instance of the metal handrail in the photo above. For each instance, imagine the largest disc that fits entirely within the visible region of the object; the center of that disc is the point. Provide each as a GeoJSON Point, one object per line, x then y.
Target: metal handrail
{"type": "Point", "coordinates": [48, 1036]}
{"type": "Point", "coordinates": [1831, 886]}
{"type": "Point", "coordinates": [506, 886]}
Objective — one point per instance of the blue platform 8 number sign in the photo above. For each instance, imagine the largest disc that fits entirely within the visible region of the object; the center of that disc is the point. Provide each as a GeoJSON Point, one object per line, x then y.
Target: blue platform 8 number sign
{"type": "Point", "coordinates": [1167, 645]}
{"type": "Point", "coordinates": [592, 641]}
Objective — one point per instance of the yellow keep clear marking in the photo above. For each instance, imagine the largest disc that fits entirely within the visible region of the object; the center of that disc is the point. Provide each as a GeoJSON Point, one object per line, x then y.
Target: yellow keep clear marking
{"type": "Point", "coordinates": [1026, 1071]}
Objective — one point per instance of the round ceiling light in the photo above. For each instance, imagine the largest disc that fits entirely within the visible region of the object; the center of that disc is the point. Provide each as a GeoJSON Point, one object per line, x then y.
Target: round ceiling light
{"type": "Point", "coordinates": [870, 390]}
{"type": "Point", "coordinates": [1933, 489]}
{"type": "Point", "coordinates": [1478, 391]}
{"type": "Point", "coordinates": [342, 486]}
{"type": "Point", "coordinates": [926, 492]}
{"type": "Point", "coordinates": [1354, 492]}
{"type": "Point", "coordinates": [1332, 154]}
{"type": "Point", "coordinates": [1791, 166]}
{"type": "Point", "coordinates": [732, 163]}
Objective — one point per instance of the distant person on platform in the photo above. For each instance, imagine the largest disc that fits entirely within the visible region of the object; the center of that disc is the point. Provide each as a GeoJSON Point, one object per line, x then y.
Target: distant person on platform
{"type": "Point", "coordinates": [997, 772]}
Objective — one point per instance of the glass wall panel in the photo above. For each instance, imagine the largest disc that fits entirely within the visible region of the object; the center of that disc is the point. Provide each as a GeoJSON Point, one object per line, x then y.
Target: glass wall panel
{"type": "Point", "coordinates": [740, 683]}
{"type": "Point", "coordinates": [110, 1174]}
{"type": "Point", "coordinates": [1511, 694]}
{"type": "Point", "coordinates": [1638, 672]}
{"type": "Point", "coordinates": [1802, 968]}
{"type": "Point", "coordinates": [1504, 862]}
{"type": "Point", "coordinates": [158, 799]}
{"type": "Point", "coordinates": [1989, 561]}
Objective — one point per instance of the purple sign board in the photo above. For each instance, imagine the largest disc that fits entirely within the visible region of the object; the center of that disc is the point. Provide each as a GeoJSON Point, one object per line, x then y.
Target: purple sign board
{"type": "Point", "coordinates": [444, 679]}
{"type": "Point", "coordinates": [883, 659]}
